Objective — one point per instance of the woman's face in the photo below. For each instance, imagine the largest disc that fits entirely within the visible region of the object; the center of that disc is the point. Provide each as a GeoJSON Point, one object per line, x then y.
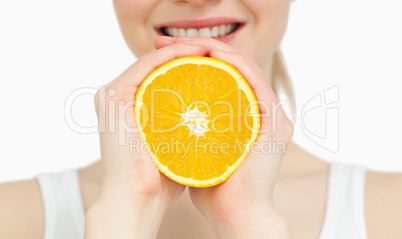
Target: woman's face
{"type": "Point", "coordinates": [255, 27]}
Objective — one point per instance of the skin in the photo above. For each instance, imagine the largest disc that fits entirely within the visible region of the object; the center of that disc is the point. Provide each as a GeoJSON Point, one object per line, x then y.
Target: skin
{"type": "Point", "coordinates": [267, 192]}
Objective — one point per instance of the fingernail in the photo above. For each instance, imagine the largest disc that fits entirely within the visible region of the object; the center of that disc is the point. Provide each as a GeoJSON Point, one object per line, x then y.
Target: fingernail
{"type": "Point", "coordinates": [168, 38]}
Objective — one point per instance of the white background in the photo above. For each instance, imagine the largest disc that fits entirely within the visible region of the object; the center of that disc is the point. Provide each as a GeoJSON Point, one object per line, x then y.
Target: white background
{"type": "Point", "coordinates": [49, 49]}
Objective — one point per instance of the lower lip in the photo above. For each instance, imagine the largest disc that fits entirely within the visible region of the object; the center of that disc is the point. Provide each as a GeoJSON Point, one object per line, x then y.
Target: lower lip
{"type": "Point", "coordinates": [227, 38]}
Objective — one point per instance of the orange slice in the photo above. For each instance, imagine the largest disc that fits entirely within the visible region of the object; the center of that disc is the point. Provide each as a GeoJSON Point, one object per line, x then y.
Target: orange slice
{"type": "Point", "coordinates": [199, 119]}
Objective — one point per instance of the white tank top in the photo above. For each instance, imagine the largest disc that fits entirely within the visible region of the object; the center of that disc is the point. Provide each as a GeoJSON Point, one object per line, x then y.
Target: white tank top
{"type": "Point", "coordinates": [344, 216]}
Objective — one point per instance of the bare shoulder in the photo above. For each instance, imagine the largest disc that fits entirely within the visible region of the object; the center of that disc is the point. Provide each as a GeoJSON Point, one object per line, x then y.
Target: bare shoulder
{"type": "Point", "coordinates": [21, 210]}
{"type": "Point", "coordinates": [384, 205]}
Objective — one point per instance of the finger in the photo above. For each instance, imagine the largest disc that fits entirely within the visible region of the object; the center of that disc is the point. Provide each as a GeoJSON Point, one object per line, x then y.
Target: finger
{"type": "Point", "coordinates": [127, 83]}
{"type": "Point", "coordinates": [209, 43]}
{"type": "Point", "coordinates": [116, 111]}
{"type": "Point", "coordinates": [125, 86]}
{"type": "Point", "coordinates": [206, 42]}
{"type": "Point", "coordinates": [162, 41]}
{"type": "Point", "coordinates": [227, 53]}
{"type": "Point", "coordinates": [272, 116]}
{"type": "Point", "coordinates": [257, 81]}
{"type": "Point", "coordinates": [212, 44]}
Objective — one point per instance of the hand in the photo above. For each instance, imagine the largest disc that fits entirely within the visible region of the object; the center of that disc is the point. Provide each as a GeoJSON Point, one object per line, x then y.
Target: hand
{"type": "Point", "coordinates": [242, 207]}
{"type": "Point", "coordinates": [135, 195]}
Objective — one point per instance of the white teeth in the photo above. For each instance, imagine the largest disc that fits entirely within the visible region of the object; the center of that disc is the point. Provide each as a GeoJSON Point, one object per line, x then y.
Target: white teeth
{"type": "Point", "coordinates": [214, 32]}
{"type": "Point", "coordinates": [192, 32]}
{"type": "Point", "coordinates": [204, 32]}
{"type": "Point", "coordinates": [175, 32]}
{"type": "Point", "coordinates": [222, 30]}
{"type": "Point", "coordinates": [170, 31]}
{"type": "Point", "coordinates": [229, 28]}
{"type": "Point", "coordinates": [182, 32]}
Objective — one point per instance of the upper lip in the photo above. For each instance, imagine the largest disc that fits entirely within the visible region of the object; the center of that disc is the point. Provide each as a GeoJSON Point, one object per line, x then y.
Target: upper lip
{"type": "Point", "coordinates": [199, 23]}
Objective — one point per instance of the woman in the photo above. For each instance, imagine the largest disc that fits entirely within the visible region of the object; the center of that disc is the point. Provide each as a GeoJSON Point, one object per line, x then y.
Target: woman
{"type": "Point", "coordinates": [270, 195]}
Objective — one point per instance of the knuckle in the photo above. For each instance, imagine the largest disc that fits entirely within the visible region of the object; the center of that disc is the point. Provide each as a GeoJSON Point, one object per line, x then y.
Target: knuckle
{"type": "Point", "coordinates": [288, 127]}
{"type": "Point", "coordinates": [105, 94]}
{"type": "Point", "coordinates": [98, 100]}
{"type": "Point", "coordinates": [251, 58]}
{"type": "Point", "coordinates": [99, 94]}
{"type": "Point", "coordinates": [239, 57]}
{"type": "Point", "coordinates": [248, 56]}
{"type": "Point", "coordinates": [245, 57]}
{"type": "Point", "coordinates": [147, 55]}
{"type": "Point", "coordinates": [144, 57]}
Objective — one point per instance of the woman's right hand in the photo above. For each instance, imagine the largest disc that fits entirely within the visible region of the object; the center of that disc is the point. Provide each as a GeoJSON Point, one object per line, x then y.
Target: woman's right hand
{"type": "Point", "coordinates": [243, 206]}
{"type": "Point", "coordinates": [135, 195]}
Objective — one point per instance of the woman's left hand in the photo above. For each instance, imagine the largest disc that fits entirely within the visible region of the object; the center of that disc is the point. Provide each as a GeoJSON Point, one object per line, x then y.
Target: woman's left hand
{"type": "Point", "coordinates": [242, 207]}
{"type": "Point", "coordinates": [134, 194]}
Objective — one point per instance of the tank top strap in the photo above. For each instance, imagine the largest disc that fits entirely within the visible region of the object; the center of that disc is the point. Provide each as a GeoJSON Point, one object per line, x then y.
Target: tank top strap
{"type": "Point", "coordinates": [344, 217]}
{"type": "Point", "coordinates": [62, 203]}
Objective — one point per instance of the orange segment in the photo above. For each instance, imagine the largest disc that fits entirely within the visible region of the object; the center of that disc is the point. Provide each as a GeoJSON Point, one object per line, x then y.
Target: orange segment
{"type": "Point", "coordinates": [198, 117]}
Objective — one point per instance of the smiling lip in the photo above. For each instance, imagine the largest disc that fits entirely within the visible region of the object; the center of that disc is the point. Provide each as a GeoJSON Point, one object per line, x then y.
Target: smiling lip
{"type": "Point", "coordinates": [203, 25]}
{"type": "Point", "coordinates": [200, 23]}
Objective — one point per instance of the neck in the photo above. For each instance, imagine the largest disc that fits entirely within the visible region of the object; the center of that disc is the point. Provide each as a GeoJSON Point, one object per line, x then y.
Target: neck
{"type": "Point", "coordinates": [297, 162]}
